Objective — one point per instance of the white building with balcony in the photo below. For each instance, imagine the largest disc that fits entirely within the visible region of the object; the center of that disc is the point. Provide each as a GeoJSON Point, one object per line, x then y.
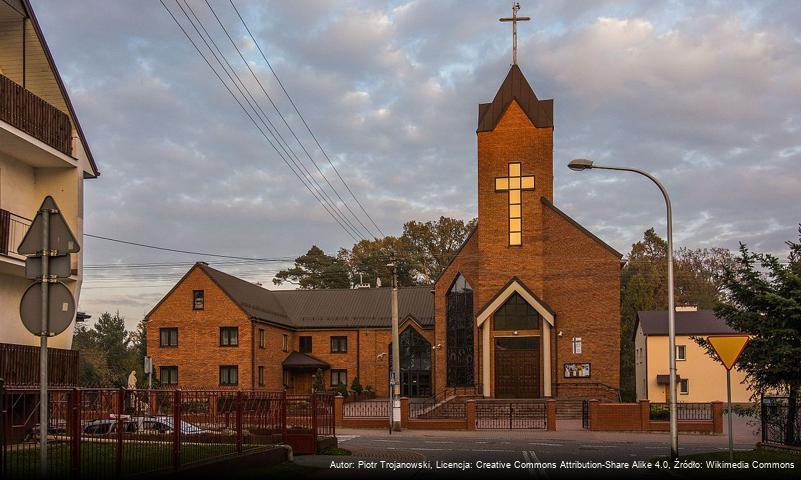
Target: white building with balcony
{"type": "Point", "coordinates": [42, 152]}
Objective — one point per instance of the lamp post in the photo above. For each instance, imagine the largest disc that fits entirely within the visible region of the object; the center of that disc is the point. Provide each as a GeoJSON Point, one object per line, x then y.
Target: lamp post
{"type": "Point", "coordinates": [584, 164]}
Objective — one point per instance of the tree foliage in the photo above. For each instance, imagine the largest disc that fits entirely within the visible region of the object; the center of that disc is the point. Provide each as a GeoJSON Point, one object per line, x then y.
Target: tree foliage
{"type": "Point", "coordinates": [108, 353]}
{"type": "Point", "coordinates": [420, 254]}
{"type": "Point", "coordinates": [763, 299]}
{"type": "Point", "coordinates": [316, 270]}
{"type": "Point", "coordinates": [643, 286]}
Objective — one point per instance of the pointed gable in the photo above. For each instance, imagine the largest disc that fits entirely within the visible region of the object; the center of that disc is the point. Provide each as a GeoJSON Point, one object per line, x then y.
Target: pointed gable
{"type": "Point", "coordinates": [515, 87]}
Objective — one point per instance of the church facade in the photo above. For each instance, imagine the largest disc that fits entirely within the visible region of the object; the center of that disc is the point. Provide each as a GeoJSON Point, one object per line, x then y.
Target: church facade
{"type": "Point", "coordinates": [529, 307]}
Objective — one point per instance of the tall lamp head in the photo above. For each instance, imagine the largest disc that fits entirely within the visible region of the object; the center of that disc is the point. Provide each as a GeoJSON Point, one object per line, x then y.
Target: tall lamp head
{"type": "Point", "coordinates": [580, 164]}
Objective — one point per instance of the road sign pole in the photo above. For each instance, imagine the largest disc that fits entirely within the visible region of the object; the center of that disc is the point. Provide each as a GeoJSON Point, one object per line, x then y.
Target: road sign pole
{"type": "Point", "coordinates": [43, 403]}
{"type": "Point", "coordinates": [729, 414]}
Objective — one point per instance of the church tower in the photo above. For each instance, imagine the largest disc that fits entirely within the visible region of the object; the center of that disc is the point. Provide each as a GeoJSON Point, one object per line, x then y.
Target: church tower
{"type": "Point", "coordinates": [530, 305]}
{"type": "Point", "coordinates": [515, 170]}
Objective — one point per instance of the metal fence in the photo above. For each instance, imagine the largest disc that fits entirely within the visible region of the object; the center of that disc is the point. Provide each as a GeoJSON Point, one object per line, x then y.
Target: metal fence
{"type": "Point", "coordinates": [684, 411]}
{"type": "Point", "coordinates": [432, 408]}
{"type": "Point", "coordinates": [117, 432]}
{"type": "Point", "coordinates": [781, 421]}
{"type": "Point", "coordinates": [511, 414]}
{"type": "Point", "coordinates": [377, 408]}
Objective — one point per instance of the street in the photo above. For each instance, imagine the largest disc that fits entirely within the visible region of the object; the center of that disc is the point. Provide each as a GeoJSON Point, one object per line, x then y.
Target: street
{"type": "Point", "coordinates": [520, 454]}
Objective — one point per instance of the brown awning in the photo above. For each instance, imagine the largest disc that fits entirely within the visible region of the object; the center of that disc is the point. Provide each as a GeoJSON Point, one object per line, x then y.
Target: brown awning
{"type": "Point", "coordinates": [665, 379]}
{"type": "Point", "coordinates": [297, 360]}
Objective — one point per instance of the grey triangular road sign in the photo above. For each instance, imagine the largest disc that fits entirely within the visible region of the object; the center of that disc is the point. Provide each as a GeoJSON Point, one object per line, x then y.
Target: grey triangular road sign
{"type": "Point", "coordinates": [61, 238]}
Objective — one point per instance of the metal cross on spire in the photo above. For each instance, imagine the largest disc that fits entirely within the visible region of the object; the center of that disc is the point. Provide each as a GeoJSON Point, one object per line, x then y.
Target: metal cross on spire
{"type": "Point", "coordinates": [514, 19]}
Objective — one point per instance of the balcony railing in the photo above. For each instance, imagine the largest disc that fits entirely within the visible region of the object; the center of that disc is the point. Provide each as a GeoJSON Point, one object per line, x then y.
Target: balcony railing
{"type": "Point", "coordinates": [12, 229]}
{"type": "Point", "coordinates": [34, 116]}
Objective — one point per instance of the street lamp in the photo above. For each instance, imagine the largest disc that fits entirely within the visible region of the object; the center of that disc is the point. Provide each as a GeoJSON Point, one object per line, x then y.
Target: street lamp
{"type": "Point", "coordinates": [581, 164]}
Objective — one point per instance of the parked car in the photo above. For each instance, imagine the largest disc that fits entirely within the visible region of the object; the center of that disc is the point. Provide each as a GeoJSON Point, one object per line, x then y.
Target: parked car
{"type": "Point", "coordinates": [107, 426]}
{"type": "Point", "coordinates": [153, 425]}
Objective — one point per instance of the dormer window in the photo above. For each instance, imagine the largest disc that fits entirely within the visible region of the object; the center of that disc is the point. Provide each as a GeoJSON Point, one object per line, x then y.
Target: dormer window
{"type": "Point", "coordinates": [197, 299]}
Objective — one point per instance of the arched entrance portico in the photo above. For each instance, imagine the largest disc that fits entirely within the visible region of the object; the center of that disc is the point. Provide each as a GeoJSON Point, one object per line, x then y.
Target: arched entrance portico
{"type": "Point", "coordinates": [516, 344]}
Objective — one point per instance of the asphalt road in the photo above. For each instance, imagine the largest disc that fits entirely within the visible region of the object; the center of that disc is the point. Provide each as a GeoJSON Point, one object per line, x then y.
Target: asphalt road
{"type": "Point", "coordinates": [512, 454]}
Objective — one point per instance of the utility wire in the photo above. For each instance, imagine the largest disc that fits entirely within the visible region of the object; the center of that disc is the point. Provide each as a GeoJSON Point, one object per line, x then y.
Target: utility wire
{"type": "Point", "coordinates": [252, 37]}
{"type": "Point", "coordinates": [255, 105]}
{"type": "Point", "coordinates": [154, 247]}
{"type": "Point", "coordinates": [225, 85]}
{"type": "Point", "coordinates": [281, 115]}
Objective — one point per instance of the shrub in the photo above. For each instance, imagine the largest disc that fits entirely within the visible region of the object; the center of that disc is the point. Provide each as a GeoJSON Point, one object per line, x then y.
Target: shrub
{"type": "Point", "coordinates": [356, 387]}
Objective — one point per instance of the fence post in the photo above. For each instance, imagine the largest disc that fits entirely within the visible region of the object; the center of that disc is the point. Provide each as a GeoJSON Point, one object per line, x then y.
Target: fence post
{"type": "Point", "coordinates": [314, 419]}
{"type": "Point", "coordinates": [763, 416]}
{"type": "Point", "coordinates": [593, 407]}
{"type": "Point", "coordinates": [717, 418]}
{"type": "Point", "coordinates": [645, 415]}
{"type": "Point", "coordinates": [339, 407]}
{"type": "Point", "coordinates": [120, 409]}
{"type": "Point", "coordinates": [176, 428]}
{"type": "Point", "coordinates": [404, 404]}
{"type": "Point", "coordinates": [470, 407]}
{"type": "Point", "coordinates": [74, 430]}
{"type": "Point", "coordinates": [283, 416]}
{"type": "Point", "coordinates": [550, 407]}
{"type": "Point", "coordinates": [239, 422]}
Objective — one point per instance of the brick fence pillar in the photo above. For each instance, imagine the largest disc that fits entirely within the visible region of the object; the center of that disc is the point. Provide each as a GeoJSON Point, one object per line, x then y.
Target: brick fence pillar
{"type": "Point", "coordinates": [339, 414]}
{"type": "Point", "coordinates": [404, 405]}
{"type": "Point", "coordinates": [470, 407]}
{"type": "Point", "coordinates": [550, 407]}
{"type": "Point", "coordinates": [645, 415]}
{"type": "Point", "coordinates": [594, 414]}
{"type": "Point", "coordinates": [717, 417]}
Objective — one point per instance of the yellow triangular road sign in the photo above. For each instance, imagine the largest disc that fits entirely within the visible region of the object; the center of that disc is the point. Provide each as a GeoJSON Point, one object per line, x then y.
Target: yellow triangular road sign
{"type": "Point", "coordinates": [728, 348]}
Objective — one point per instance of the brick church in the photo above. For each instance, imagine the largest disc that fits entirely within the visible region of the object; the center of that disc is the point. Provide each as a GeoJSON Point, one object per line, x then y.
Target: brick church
{"type": "Point", "coordinates": [529, 307]}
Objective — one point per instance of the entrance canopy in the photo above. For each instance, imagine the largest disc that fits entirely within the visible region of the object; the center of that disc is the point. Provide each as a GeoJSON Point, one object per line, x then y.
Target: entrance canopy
{"type": "Point", "coordinates": [301, 361]}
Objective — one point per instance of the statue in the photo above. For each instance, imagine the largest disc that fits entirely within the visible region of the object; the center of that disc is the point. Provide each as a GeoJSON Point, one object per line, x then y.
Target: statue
{"type": "Point", "coordinates": [132, 380]}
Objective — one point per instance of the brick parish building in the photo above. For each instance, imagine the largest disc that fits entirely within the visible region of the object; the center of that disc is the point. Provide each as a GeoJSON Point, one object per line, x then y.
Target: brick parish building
{"type": "Point", "coordinates": [529, 307]}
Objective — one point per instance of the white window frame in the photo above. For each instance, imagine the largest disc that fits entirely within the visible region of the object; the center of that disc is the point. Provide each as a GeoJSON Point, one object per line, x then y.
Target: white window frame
{"type": "Point", "coordinates": [577, 347]}
{"type": "Point", "coordinates": [681, 348]}
{"type": "Point", "coordinates": [684, 382]}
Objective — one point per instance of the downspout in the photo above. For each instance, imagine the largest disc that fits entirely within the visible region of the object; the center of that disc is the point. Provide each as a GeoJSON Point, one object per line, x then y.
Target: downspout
{"type": "Point", "coordinates": [358, 355]}
{"type": "Point", "coordinates": [252, 354]}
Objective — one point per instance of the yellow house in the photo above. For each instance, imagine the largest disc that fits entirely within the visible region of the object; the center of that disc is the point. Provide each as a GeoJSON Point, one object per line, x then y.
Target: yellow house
{"type": "Point", "coordinates": [701, 378]}
{"type": "Point", "coordinates": [42, 152]}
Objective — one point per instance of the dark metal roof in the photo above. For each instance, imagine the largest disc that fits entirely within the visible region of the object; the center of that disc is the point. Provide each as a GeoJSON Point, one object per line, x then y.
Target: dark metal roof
{"type": "Point", "coordinates": [256, 301]}
{"type": "Point", "coordinates": [329, 308]}
{"type": "Point", "coordinates": [515, 87]}
{"type": "Point", "coordinates": [357, 308]}
{"type": "Point", "coordinates": [301, 360]}
{"type": "Point", "coordinates": [702, 322]}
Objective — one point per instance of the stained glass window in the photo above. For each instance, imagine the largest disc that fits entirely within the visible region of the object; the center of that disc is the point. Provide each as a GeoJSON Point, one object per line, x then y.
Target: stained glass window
{"type": "Point", "coordinates": [459, 334]}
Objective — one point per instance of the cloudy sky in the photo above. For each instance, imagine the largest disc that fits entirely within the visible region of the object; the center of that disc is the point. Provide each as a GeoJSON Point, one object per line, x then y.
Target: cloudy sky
{"type": "Point", "coordinates": [706, 96]}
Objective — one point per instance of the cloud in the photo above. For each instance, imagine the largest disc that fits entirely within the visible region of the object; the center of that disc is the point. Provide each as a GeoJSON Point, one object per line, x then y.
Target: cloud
{"type": "Point", "coordinates": [705, 96]}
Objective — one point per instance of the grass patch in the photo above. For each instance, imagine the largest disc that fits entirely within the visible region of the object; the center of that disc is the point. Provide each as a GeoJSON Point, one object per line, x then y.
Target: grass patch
{"type": "Point", "coordinates": [336, 451]}
{"type": "Point", "coordinates": [99, 459]}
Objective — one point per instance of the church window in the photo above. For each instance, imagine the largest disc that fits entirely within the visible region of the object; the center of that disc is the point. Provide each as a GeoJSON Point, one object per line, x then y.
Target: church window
{"type": "Point", "coordinates": [459, 334]}
{"type": "Point", "coordinates": [514, 184]}
{"type": "Point", "coordinates": [516, 314]}
{"type": "Point", "coordinates": [577, 346]}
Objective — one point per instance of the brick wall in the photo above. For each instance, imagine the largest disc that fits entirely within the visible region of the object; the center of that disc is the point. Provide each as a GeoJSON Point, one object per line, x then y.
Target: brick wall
{"type": "Point", "coordinates": [199, 355]}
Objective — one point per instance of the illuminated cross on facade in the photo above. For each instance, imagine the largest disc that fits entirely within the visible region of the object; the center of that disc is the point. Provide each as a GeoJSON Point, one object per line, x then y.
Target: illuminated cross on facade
{"type": "Point", "coordinates": [514, 19]}
{"type": "Point", "coordinates": [515, 183]}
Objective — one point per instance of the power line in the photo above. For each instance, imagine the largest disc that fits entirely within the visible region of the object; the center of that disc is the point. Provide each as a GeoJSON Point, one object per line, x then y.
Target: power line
{"type": "Point", "coordinates": [304, 120]}
{"type": "Point", "coordinates": [302, 146]}
{"type": "Point", "coordinates": [255, 105]}
{"type": "Point", "coordinates": [174, 250]}
{"type": "Point", "coordinates": [225, 85]}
